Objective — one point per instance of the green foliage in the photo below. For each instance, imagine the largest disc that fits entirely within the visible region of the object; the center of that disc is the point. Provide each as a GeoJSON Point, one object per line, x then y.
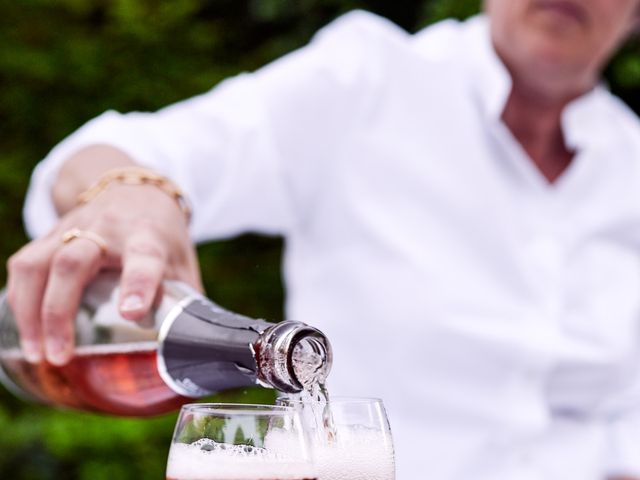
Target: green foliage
{"type": "Point", "coordinates": [63, 62]}
{"type": "Point", "coordinates": [201, 427]}
{"type": "Point", "coordinates": [437, 10]}
{"type": "Point", "coordinates": [40, 443]}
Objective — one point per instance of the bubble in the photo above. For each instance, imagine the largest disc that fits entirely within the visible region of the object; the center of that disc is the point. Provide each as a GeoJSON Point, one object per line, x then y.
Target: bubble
{"type": "Point", "coordinates": [206, 444]}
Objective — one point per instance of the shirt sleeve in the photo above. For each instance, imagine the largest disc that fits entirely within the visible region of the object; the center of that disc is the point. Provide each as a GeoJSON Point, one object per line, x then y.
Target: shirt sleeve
{"type": "Point", "coordinates": [248, 153]}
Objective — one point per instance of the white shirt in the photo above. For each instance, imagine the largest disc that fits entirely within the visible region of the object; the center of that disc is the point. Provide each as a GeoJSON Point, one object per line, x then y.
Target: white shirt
{"type": "Point", "coordinates": [495, 314]}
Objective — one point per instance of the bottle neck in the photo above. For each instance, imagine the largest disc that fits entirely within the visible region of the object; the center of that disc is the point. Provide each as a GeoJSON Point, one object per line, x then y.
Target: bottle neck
{"type": "Point", "coordinates": [204, 348]}
{"type": "Point", "coordinates": [292, 357]}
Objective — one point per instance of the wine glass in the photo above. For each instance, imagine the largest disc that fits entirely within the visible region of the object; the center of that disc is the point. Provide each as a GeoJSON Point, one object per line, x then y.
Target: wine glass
{"type": "Point", "coordinates": [350, 437]}
{"type": "Point", "coordinates": [217, 441]}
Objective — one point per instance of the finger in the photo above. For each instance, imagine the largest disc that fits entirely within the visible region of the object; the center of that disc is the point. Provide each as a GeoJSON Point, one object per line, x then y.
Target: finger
{"type": "Point", "coordinates": [27, 275]}
{"type": "Point", "coordinates": [72, 267]}
{"type": "Point", "coordinates": [143, 265]}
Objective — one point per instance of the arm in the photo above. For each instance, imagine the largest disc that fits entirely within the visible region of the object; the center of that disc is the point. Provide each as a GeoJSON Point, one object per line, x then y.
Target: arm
{"type": "Point", "coordinates": [246, 153]}
{"type": "Point", "coordinates": [80, 172]}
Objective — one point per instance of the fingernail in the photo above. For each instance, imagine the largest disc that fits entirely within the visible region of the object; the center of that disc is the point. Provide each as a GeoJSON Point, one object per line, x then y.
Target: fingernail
{"type": "Point", "coordinates": [57, 352]}
{"type": "Point", "coordinates": [131, 303]}
{"type": "Point", "coordinates": [32, 351]}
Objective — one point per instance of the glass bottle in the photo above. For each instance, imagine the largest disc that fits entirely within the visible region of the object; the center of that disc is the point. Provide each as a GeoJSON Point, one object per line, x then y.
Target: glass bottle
{"type": "Point", "coordinates": [187, 347]}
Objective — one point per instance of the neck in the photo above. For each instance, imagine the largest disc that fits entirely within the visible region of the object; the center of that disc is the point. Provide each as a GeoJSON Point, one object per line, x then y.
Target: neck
{"type": "Point", "coordinates": [534, 118]}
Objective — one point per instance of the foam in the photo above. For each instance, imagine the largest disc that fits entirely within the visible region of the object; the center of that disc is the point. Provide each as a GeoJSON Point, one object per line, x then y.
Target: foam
{"type": "Point", "coordinates": [208, 460]}
{"type": "Point", "coordinates": [356, 454]}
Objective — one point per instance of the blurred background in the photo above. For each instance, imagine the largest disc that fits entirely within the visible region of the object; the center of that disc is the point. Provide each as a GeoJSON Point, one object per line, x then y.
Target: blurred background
{"type": "Point", "coordinates": [62, 62]}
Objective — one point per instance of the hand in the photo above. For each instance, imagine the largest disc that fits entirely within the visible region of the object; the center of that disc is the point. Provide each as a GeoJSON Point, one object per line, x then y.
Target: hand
{"type": "Point", "coordinates": [146, 236]}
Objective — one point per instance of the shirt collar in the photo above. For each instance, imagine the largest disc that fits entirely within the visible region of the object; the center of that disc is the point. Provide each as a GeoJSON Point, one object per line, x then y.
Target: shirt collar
{"type": "Point", "coordinates": [582, 119]}
{"type": "Point", "coordinates": [585, 119]}
{"type": "Point", "coordinates": [490, 79]}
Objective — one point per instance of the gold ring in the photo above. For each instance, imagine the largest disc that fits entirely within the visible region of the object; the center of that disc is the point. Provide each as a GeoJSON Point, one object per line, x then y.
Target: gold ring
{"type": "Point", "coordinates": [74, 233]}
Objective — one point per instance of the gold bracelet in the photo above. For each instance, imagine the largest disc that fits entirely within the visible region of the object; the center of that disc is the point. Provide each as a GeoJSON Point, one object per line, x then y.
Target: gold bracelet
{"type": "Point", "coordinates": [136, 176]}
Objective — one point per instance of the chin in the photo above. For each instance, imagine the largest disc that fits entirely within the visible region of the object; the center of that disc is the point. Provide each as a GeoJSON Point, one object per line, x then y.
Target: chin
{"type": "Point", "coordinates": [549, 52]}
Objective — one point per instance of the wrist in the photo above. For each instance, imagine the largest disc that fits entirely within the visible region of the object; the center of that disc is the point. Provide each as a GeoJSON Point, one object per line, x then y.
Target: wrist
{"type": "Point", "coordinates": [81, 171]}
{"type": "Point", "coordinates": [136, 203]}
{"type": "Point", "coordinates": [137, 177]}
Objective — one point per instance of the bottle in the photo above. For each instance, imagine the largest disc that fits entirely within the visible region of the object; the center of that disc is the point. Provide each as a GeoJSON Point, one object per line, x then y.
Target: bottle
{"type": "Point", "coordinates": [187, 347]}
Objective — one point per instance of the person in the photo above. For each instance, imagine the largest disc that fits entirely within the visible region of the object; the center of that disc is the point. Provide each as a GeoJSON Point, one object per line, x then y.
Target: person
{"type": "Point", "coordinates": [461, 209]}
